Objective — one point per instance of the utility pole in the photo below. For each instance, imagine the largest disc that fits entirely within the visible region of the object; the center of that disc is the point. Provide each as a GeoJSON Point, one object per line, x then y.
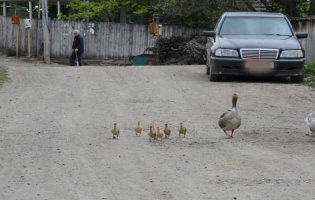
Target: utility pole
{"type": "Point", "coordinates": [46, 32]}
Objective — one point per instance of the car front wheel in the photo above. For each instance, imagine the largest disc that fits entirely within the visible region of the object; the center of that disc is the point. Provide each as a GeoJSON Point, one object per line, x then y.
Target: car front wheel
{"type": "Point", "coordinates": [215, 77]}
{"type": "Point", "coordinates": [297, 79]}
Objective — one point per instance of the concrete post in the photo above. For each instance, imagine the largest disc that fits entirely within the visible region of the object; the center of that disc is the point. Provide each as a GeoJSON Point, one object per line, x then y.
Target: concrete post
{"type": "Point", "coordinates": [46, 32]}
{"type": "Point", "coordinates": [4, 9]}
{"type": "Point", "coordinates": [30, 9]}
{"type": "Point", "coordinates": [58, 9]}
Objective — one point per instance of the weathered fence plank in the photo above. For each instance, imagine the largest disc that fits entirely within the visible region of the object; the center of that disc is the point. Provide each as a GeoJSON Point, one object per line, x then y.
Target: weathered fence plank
{"type": "Point", "coordinates": [306, 25]}
{"type": "Point", "coordinates": [102, 40]}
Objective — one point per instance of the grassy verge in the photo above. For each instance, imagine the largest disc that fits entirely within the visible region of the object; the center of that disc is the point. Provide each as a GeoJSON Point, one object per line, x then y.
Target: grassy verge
{"type": "Point", "coordinates": [3, 75]}
{"type": "Point", "coordinates": [309, 74]}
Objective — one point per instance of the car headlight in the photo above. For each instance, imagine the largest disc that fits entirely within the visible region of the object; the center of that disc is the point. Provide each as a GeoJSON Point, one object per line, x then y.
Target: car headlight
{"type": "Point", "coordinates": [292, 54]}
{"type": "Point", "coordinates": [226, 52]}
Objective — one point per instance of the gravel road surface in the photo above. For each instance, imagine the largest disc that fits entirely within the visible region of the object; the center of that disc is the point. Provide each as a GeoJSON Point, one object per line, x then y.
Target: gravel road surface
{"type": "Point", "coordinates": [56, 144]}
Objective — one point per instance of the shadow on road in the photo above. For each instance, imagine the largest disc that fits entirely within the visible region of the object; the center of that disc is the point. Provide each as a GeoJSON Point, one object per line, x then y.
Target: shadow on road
{"type": "Point", "coordinates": [256, 79]}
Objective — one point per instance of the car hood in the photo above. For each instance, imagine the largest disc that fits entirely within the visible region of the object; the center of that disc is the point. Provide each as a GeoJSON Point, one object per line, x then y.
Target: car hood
{"type": "Point", "coordinates": [255, 41]}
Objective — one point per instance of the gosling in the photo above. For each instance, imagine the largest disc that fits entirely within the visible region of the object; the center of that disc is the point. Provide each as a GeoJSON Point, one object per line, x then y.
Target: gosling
{"type": "Point", "coordinates": [167, 131]}
{"type": "Point", "coordinates": [159, 134]}
{"type": "Point", "coordinates": [115, 131]}
{"type": "Point", "coordinates": [182, 129]}
{"type": "Point", "coordinates": [151, 134]}
{"type": "Point", "coordinates": [138, 129]}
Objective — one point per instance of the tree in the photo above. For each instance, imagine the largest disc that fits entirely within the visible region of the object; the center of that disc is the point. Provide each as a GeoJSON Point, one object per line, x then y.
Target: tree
{"type": "Point", "coordinates": [196, 13]}
{"type": "Point", "coordinates": [102, 9]}
{"type": "Point", "coordinates": [291, 8]}
{"type": "Point", "coordinates": [199, 13]}
{"type": "Point", "coordinates": [34, 7]}
{"type": "Point", "coordinates": [311, 11]}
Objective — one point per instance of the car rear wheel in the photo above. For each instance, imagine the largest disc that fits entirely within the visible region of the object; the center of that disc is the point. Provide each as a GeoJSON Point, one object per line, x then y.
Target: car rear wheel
{"type": "Point", "coordinates": [297, 79]}
{"type": "Point", "coordinates": [208, 65]}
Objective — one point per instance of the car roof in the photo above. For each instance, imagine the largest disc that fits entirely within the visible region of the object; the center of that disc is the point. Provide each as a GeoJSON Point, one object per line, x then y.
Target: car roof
{"type": "Point", "coordinates": [253, 14]}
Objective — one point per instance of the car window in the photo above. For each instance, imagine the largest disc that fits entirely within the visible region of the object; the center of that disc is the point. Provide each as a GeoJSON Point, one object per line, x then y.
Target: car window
{"type": "Point", "coordinates": [255, 26]}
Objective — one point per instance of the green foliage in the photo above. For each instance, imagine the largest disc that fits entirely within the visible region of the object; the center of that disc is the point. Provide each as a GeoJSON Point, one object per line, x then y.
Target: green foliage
{"type": "Point", "coordinates": [196, 13]}
{"type": "Point", "coordinates": [34, 8]}
{"type": "Point", "coordinates": [310, 69]}
{"type": "Point", "coordinates": [200, 13]}
{"type": "Point", "coordinates": [11, 52]}
{"type": "Point", "coordinates": [99, 10]}
{"type": "Point", "coordinates": [310, 74]}
{"type": "Point", "coordinates": [3, 75]}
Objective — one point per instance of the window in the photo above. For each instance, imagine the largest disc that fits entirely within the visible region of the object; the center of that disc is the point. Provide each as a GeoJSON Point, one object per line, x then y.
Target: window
{"type": "Point", "coordinates": [255, 26]}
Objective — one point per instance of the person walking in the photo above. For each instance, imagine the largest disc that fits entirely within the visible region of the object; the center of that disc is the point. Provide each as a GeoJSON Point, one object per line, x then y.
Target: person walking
{"type": "Point", "coordinates": [77, 49]}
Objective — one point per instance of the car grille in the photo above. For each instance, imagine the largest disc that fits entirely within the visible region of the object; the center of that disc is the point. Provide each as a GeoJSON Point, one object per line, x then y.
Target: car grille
{"type": "Point", "coordinates": [259, 53]}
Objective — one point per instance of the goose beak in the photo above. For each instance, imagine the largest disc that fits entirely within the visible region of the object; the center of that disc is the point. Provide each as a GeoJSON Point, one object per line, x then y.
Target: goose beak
{"type": "Point", "coordinates": [237, 96]}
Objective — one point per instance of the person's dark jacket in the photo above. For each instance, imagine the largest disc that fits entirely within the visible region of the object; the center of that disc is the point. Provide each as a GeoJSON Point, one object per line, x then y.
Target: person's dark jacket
{"type": "Point", "coordinates": [79, 44]}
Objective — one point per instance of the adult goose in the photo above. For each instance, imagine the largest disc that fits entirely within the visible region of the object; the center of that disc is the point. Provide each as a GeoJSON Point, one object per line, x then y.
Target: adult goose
{"type": "Point", "coordinates": [310, 121]}
{"type": "Point", "coordinates": [230, 121]}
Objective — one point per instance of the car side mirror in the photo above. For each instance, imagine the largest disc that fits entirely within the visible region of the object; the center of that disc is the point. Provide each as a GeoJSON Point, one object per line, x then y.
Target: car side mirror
{"type": "Point", "coordinates": [209, 33]}
{"type": "Point", "coordinates": [301, 35]}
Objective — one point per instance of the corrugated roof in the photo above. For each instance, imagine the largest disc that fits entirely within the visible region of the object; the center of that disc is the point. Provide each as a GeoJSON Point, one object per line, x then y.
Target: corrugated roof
{"type": "Point", "coordinates": [310, 18]}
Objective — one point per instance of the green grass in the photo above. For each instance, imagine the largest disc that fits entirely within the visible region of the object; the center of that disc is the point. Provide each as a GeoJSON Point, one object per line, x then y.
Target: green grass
{"type": "Point", "coordinates": [309, 74]}
{"type": "Point", "coordinates": [11, 52]}
{"type": "Point", "coordinates": [3, 75]}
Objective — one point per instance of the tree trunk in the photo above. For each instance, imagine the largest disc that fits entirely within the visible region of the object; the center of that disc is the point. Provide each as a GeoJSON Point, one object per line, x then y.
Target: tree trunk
{"type": "Point", "coordinates": [291, 7]}
{"type": "Point", "coordinates": [311, 11]}
{"type": "Point", "coordinates": [250, 6]}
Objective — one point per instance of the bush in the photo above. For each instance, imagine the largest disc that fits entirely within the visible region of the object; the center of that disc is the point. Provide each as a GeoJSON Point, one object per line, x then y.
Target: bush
{"type": "Point", "coordinates": [11, 52]}
{"type": "Point", "coordinates": [181, 50]}
{"type": "Point", "coordinates": [309, 73]}
{"type": "Point", "coordinates": [310, 69]}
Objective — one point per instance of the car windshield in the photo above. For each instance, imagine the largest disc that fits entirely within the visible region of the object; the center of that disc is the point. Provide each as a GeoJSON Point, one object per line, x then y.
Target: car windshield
{"type": "Point", "coordinates": [255, 26]}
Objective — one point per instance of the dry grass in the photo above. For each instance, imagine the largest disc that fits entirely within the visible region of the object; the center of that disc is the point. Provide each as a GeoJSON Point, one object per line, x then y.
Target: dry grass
{"type": "Point", "coordinates": [3, 75]}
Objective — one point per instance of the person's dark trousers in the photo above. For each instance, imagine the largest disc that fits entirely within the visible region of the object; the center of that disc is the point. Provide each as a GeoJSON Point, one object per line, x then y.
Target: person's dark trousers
{"type": "Point", "coordinates": [73, 58]}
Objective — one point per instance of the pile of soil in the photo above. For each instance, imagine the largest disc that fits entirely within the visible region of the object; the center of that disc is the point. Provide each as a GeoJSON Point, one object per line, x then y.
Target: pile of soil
{"type": "Point", "coordinates": [179, 50]}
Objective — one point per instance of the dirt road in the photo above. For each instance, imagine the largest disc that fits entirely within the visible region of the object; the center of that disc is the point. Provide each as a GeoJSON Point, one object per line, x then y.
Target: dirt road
{"type": "Point", "coordinates": [55, 138]}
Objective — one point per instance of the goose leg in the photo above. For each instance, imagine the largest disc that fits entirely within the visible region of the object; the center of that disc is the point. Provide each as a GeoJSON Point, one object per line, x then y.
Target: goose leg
{"type": "Point", "coordinates": [226, 134]}
{"type": "Point", "coordinates": [114, 137]}
{"type": "Point", "coordinates": [232, 134]}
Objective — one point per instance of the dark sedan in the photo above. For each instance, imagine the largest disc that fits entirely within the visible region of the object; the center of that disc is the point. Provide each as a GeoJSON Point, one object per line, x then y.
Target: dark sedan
{"type": "Point", "coordinates": [248, 43]}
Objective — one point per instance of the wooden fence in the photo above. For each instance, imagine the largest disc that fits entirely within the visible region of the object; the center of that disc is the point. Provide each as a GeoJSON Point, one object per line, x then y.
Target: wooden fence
{"type": "Point", "coordinates": [102, 40]}
{"type": "Point", "coordinates": [306, 25]}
